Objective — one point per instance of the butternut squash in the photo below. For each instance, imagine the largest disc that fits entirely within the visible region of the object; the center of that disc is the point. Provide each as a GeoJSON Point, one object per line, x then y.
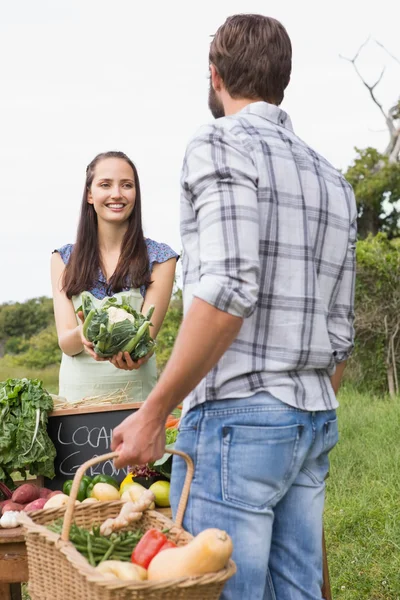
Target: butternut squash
{"type": "Point", "coordinates": [208, 552]}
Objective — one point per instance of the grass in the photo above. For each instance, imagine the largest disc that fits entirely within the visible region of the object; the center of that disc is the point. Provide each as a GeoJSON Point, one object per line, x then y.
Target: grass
{"type": "Point", "coordinates": [49, 376]}
{"type": "Point", "coordinates": [362, 517]}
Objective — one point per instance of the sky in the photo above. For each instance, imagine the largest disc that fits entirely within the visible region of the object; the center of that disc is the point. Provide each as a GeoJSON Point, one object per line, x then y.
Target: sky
{"type": "Point", "coordinates": [79, 77]}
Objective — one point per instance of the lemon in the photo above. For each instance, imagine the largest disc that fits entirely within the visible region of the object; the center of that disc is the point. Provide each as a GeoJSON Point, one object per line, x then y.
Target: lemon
{"type": "Point", "coordinates": [127, 481]}
{"type": "Point", "coordinates": [130, 485]}
{"type": "Point", "coordinates": [160, 490]}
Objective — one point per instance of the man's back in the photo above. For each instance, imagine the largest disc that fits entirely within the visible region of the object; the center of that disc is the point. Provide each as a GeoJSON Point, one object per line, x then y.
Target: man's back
{"type": "Point", "coordinates": [269, 232]}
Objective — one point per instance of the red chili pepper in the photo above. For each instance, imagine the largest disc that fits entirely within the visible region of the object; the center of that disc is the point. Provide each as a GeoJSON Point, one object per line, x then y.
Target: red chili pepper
{"type": "Point", "coordinates": [167, 545]}
{"type": "Point", "coordinates": [150, 544]}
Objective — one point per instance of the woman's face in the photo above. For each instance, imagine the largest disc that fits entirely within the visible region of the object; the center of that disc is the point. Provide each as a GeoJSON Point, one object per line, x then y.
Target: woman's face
{"type": "Point", "coordinates": [113, 192]}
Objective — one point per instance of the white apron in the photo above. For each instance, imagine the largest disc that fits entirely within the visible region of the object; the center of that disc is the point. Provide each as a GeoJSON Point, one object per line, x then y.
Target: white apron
{"type": "Point", "coordinates": [81, 376]}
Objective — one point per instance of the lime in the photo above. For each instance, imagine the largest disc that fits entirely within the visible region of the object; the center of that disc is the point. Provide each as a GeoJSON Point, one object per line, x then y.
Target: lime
{"type": "Point", "coordinates": [160, 490]}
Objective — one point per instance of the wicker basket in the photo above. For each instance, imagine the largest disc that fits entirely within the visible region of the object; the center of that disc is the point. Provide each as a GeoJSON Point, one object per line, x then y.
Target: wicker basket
{"type": "Point", "coordinates": [57, 571]}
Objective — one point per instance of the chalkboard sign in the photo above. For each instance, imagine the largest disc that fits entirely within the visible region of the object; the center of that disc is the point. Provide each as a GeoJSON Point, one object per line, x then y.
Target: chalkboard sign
{"type": "Point", "coordinates": [80, 434]}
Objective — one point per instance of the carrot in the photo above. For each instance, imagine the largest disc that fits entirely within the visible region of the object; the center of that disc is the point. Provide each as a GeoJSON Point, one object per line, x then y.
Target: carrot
{"type": "Point", "coordinates": [172, 423]}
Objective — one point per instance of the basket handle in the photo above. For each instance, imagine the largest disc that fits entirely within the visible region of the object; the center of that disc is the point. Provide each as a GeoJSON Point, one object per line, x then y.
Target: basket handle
{"type": "Point", "coordinates": [69, 513]}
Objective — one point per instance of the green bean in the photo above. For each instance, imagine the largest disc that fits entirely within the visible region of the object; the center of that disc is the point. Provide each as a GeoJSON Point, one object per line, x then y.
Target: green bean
{"type": "Point", "coordinates": [108, 553]}
{"type": "Point", "coordinates": [90, 553]}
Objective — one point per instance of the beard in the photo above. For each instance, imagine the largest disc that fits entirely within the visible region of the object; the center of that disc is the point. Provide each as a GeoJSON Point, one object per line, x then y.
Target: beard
{"type": "Point", "coordinates": [214, 104]}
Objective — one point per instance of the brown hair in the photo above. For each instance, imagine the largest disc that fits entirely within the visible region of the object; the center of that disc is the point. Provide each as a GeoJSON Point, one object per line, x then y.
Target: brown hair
{"type": "Point", "coordinates": [83, 267]}
{"type": "Point", "coordinates": [253, 56]}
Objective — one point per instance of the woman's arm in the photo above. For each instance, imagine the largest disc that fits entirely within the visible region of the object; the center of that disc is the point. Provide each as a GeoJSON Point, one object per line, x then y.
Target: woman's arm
{"type": "Point", "coordinates": [159, 295]}
{"type": "Point", "coordinates": [69, 333]}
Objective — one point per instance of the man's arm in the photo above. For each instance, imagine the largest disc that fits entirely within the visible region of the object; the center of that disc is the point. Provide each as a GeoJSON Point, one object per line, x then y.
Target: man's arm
{"type": "Point", "coordinates": [337, 377]}
{"type": "Point", "coordinates": [205, 335]}
{"type": "Point", "coordinates": [220, 181]}
{"type": "Point", "coordinates": [341, 317]}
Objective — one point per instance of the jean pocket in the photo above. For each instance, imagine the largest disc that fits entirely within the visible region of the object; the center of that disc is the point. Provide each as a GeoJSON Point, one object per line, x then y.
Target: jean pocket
{"type": "Point", "coordinates": [257, 463]}
{"type": "Point", "coordinates": [331, 434]}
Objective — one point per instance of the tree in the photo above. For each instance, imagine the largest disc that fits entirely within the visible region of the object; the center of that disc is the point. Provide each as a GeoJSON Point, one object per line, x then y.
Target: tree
{"type": "Point", "coordinates": [392, 115]}
{"type": "Point", "coordinates": [376, 184]}
{"type": "Point", "coordinates": [23, 320]}
{"type": "Point", "coordinates": [375, 176]}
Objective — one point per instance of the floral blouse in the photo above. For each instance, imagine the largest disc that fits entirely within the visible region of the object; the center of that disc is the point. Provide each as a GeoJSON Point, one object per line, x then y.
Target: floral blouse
{"type": "Point", "coordinates": [158, 253]}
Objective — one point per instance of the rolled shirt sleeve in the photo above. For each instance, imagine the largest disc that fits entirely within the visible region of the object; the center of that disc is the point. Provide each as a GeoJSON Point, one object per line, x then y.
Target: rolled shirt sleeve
{"type": "Point", "coordinates": [220, 180]}
{"type": "Point", "coordinates": [341, 316]}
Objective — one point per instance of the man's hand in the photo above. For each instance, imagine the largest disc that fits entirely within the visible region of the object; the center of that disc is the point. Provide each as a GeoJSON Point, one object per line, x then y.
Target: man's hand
{"type": "Point", "coordinates": [139, 439]}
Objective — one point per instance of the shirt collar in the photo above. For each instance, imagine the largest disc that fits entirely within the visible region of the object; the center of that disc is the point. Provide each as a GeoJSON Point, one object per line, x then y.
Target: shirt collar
{"type": "Point", "coordinates": [270, 112]}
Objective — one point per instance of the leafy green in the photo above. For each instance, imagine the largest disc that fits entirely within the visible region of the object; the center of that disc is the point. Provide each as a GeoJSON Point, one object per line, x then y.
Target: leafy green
{"type": "Point", "coordinates": [164, 464]}
{"type": "Point", "coordinates": [24, 442]}
{"type": "Point", "coordinates": [114, 326]}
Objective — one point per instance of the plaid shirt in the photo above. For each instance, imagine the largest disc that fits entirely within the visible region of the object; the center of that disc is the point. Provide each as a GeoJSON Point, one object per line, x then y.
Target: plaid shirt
{"type": "Point", "coordinates": [269, 230]}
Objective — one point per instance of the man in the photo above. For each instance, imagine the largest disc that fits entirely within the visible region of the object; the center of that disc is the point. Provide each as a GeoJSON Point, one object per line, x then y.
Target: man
{"type": "Point", "coordinates": [269, 231]}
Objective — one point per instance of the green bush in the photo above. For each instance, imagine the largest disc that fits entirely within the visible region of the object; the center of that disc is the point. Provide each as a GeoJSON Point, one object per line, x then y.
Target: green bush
{"type": "Point", "coordinates": [25, 319]}
{"type": "Point", "coordinates": [16, 345]}
{"type": "Point", "coordinates": [169, 330]}
{"type": "Point", "coordinates": [43, 350]}
{"type": "Point", "coordinates": [373, 365]}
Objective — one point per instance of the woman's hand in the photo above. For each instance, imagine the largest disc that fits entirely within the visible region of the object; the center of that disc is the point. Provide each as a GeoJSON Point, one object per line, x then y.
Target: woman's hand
{"type": "Point", "coordinates": [123, 360]}
{"type": "Point", "coordinates": [88, 347]}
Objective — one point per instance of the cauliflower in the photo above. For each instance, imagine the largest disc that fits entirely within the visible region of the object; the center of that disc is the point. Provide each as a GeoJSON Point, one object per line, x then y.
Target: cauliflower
{"type": "Point", "coordinates": [114, 326]}
{"type": "Point", "coordinates": [115, 315]}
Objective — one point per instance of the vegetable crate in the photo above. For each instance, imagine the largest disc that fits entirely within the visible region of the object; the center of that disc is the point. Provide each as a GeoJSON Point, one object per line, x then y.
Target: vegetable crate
{"type": "Point", "coordinates": [57, 570]}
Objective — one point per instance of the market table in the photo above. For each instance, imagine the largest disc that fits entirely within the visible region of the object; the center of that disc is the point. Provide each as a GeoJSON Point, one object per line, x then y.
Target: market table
{"type": "Point", "coordinates": [13, 563]}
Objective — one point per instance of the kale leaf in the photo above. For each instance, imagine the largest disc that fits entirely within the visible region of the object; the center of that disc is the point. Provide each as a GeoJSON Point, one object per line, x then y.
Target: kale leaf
{"type": "Point", "coordinates": [24, 441]}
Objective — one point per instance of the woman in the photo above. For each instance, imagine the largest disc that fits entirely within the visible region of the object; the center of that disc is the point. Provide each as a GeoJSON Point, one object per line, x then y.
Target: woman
{"type": "Point", "coordinates": [111, 256]}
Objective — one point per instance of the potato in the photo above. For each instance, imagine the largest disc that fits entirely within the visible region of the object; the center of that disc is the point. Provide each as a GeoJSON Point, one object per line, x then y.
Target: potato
{"type": "Point", "coordinates": [26, 493]}
{"type": "Point", "coordinates": [10, 505]}
{"type": "Point", "coordinates": [44, 493]}
{"type": "Point", "coordinates": [35, 505]}
{"type": "Point", "coordinates": [105, 492]}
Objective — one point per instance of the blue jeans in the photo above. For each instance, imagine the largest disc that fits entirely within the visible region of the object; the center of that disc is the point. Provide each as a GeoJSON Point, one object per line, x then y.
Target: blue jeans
{"type": "Point", "coordinates": [260, 467]}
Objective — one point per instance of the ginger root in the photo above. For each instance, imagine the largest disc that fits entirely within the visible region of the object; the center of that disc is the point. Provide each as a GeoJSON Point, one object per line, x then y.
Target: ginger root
{"type": "Point", "coordinates": [129, 513]}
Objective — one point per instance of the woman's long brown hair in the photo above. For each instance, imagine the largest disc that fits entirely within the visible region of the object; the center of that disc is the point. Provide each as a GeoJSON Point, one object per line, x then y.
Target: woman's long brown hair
{"type": "Point", "coordinates": [82, 270]}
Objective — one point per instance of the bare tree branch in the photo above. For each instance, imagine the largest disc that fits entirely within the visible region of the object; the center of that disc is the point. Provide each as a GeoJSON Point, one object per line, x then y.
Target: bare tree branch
{"type": "Point", "coordinates": [393, 148]}
{"type": "Point", "coordinates": [370, 88]}
{"type": "Point", "coordinates": [387, 51]}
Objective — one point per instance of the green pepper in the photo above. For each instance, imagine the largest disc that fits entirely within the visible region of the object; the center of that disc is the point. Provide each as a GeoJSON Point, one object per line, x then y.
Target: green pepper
{"type": "Point", "coordinates": [101, 479]}
{"type": "Point", "coordinates": [67, 486]}
{"type": "Point", "coordinates": [82, 490]}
